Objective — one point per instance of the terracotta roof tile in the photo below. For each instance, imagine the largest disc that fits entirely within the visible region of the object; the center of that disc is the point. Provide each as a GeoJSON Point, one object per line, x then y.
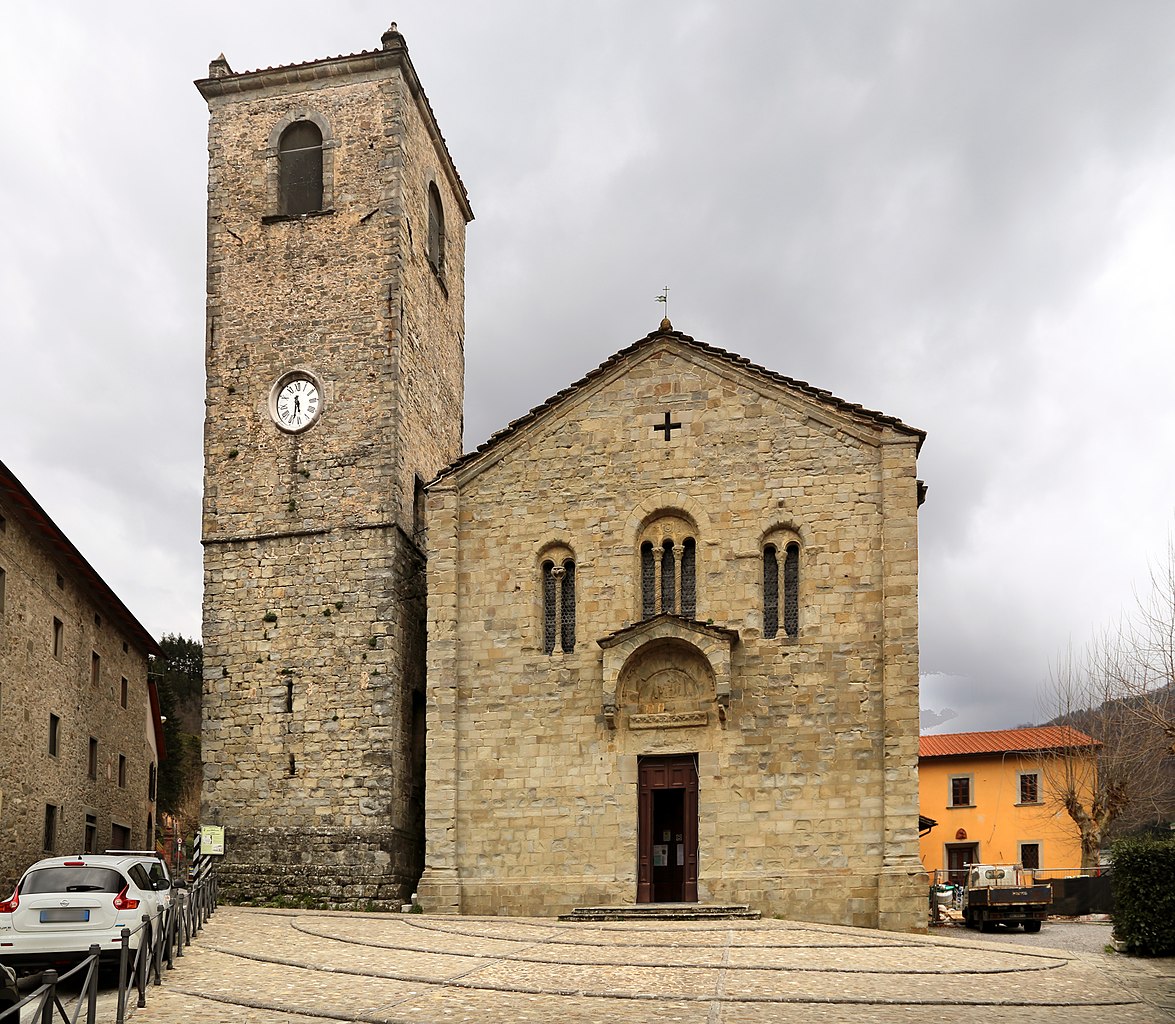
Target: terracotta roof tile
{"type": "Point", "coordinates": [1049, 737]}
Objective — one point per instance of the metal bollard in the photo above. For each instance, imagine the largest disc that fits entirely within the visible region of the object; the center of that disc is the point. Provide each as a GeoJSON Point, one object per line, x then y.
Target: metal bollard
{"type": "Point", "coordinates": [157, 934]}
{"type": "Point", "coordinates": [92, 985]}
{"type": "Point", "coordinates": [49, 978]}
{"type": "Point", "coordinates": [141, 961]}
{"type": "Point", "coordinates": [123, 960]}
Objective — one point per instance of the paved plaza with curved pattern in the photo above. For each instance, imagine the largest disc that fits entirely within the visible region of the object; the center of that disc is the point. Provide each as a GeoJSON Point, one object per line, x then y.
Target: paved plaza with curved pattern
{"type": "Point", "coordinates": [266, 966]}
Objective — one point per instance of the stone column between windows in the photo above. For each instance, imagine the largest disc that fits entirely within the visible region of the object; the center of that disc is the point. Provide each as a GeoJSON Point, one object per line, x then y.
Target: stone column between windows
{"type": "Point", "coordinates": [901, 898]}
{"type": "Point", "coordinates": [440, 885]}
{"type": "Point", "coordinates": [559, 574]}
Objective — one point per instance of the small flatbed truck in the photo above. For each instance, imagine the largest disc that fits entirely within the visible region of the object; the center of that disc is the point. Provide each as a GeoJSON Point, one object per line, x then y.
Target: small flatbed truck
{"type": "Point", "coordinates": [1004, 894]}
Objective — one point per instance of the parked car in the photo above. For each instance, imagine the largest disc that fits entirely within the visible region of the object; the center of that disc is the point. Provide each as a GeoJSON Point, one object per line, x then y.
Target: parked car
{"type": "Point", "coordinates": [64, 905]}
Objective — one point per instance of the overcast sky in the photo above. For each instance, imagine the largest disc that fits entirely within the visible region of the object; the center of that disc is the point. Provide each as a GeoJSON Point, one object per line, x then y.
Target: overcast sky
{"type": "Point", "coordinates": [961, 214]}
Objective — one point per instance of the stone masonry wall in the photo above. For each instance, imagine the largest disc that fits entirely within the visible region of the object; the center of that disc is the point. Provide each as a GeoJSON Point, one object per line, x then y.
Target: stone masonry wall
{"type": "Point", "coordinates": [34, 683]}
{"type": "Point", "coordinates": [532, 796]}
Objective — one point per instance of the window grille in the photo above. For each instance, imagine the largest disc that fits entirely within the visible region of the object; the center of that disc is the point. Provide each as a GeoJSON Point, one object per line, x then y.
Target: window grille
{"type": "Point", "coordinates": [648, 582]}
{"type": "Point", "coordinates": [689, 590]}
{"type": "Point", "coordinates": [567, 607]}
{"type": "Point", "coordinates": [1030, 855]}
{"type": "Point", "coordinates": [300, 153]}
{"type": "Point", "coordinates": [791, 590]}
{"type": "Point", "coordinates": [668, 590]}
{"type": "Point", "coordinates": [548, 607]}
{"type": "Point", "coordinates": [770, 592]}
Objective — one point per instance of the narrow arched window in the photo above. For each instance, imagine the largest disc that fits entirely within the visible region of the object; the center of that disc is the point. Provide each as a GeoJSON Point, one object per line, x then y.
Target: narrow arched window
{"type": "Point", "coordinates": [689, 588]}
{"type": "Point", "coordinates": [567, 607]}
{"type": "Point", "coordinates": [791, 589]}
{"type": "Point", "coordinates": [770, 592]}
{"type": "Point", "coordinates": [548, 607]}
{"type": "Point", "coordinates": [668, 567]}
{"type": "Point", "coordinates": [436, 229]}
{"type": "Point", "coordinates": [648, 581]}
{"type": "Point", "coordinates": [300, 155]}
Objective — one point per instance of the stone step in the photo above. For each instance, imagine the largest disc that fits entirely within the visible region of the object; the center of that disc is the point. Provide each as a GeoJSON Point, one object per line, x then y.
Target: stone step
{"type": "Point", "coordinates": [665, 912]}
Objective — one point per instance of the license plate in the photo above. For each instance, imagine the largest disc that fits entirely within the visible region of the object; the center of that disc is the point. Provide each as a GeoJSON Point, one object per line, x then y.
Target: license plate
{"type": "Point", "coordinates": [56, 915]}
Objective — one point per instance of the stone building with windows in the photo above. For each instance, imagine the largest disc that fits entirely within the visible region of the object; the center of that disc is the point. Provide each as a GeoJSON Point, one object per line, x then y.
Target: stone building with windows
{"type": "Point", "coordinates": [672, 648]}
{"type": "Point", "coordinates": [82, 733]}
{"type": "Point", "coordinates": [335, 379]}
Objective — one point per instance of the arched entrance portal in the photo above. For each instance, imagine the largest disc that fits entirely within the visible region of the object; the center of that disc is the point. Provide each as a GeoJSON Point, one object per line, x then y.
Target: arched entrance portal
{"type": "Point", "coordinates": [667, 833]}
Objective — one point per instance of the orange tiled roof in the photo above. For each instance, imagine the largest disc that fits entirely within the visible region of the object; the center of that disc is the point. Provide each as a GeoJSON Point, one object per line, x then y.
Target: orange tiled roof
{"type": "Point", "coordinates": [1048, 737]}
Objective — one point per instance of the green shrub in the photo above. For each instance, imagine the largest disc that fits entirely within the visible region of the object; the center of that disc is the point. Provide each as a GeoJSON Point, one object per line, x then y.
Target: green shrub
{"type": "Point", "coordinates": [1144, 895]}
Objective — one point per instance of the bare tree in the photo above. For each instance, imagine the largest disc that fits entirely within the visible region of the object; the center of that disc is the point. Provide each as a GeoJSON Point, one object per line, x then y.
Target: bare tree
{"type": "Point", "coordinates": [1147, 675]}
{"type": "Point", "coordinates": [1117, 778]}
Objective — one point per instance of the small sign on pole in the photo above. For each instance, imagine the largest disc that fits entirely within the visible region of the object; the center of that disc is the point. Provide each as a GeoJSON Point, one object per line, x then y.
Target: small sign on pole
{"type": "Point", "coordinates": [212, 840]}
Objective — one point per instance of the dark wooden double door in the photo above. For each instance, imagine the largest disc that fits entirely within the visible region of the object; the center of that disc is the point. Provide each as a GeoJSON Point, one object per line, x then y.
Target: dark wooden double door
{"type": "Point", "coordinates": [667, 832]}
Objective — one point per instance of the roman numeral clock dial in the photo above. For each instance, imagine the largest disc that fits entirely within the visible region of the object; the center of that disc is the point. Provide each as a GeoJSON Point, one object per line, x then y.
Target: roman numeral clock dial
{"type": "Point", "coordinates": [295, 401]}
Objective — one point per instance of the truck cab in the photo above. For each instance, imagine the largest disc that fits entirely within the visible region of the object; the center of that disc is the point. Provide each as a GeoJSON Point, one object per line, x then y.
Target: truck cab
{"type": "Point", "coordinates": [1006, 894]}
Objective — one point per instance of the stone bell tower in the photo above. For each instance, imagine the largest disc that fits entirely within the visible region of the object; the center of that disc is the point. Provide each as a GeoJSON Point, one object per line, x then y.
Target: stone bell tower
{"type": "Point", "coordinates": [335, 381]}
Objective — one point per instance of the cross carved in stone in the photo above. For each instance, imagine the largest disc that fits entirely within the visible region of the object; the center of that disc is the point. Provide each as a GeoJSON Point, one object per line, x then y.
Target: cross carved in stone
{"type": "Point", "coordinates": [668, 426]}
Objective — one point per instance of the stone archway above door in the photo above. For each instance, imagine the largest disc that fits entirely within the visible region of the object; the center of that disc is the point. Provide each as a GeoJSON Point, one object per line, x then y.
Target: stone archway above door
{"type": "Point", "coordinates": [646, 642]}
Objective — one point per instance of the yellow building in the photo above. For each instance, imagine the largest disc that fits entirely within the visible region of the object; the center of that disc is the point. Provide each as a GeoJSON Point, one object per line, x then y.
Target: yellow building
{"type": "Point", "coordinates": [994, 798]}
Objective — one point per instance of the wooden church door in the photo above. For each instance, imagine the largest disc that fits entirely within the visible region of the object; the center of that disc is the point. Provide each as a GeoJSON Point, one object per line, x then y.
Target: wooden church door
{"type": "Point", "coordinates": [667, 829]}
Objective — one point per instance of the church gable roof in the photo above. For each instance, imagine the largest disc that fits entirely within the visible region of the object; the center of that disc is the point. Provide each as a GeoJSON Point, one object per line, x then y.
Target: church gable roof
{"type": "Point", "coordinates": [635, 350]}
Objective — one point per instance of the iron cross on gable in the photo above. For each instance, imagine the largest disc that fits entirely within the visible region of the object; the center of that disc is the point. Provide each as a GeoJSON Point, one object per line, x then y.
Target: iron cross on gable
{"type": "Point", "coordinates": [668, 426]}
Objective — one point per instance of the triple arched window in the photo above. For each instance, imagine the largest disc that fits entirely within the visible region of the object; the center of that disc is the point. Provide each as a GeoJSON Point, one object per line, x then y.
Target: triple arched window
{"type": "Point", "coordinates": [669, 568]}
{"type": "Point", "coordinates": [558, 583]}
{"type": "Point", "coordinates": [781, 588]}
{"type": "Point", "coordinates": [300, 169]}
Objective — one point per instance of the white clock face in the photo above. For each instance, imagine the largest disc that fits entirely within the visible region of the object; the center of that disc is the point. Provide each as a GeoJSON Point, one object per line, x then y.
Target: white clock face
{"type": "Point", "coordinates": [296, 402]}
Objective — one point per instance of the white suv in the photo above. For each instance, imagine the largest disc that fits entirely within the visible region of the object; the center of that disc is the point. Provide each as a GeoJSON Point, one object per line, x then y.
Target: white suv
{"type": "Point", "coordinates": [64, 905]}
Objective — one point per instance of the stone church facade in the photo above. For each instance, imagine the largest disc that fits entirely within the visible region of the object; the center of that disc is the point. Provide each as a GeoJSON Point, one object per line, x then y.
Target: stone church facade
{"type": "Point", "coordinates": [672, 648]}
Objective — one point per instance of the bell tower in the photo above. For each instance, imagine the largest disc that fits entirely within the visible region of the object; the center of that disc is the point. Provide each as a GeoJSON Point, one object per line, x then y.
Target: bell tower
{"type": "Point", "coordinates": [335, 383]}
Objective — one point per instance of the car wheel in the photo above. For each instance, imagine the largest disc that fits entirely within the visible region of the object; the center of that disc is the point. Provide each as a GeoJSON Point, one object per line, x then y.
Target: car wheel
{"type": "Point", "coordinates": [1032, 926]}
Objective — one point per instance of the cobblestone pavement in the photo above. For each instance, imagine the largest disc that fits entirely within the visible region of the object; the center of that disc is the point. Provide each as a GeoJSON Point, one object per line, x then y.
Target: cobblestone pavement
{"type": "Point", "coordinates": [254, 966]}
